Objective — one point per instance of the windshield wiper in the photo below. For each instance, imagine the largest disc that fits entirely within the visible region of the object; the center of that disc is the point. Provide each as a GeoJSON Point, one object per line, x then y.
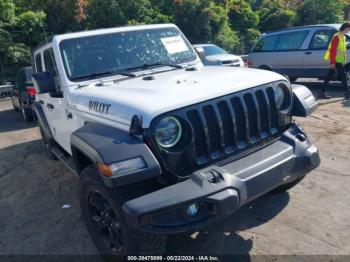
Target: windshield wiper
{"type": "Point", "coordinates": [144, 66]}
{"type": "Point", "coordinates": [103, 73]}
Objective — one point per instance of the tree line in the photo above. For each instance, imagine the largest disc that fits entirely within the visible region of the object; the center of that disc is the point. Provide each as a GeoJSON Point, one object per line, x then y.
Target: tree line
{"type": "Point", "coordinates": [232, 24]}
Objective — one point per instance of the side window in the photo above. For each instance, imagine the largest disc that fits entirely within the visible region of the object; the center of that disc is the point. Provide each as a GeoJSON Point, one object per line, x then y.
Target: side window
{"type": "Point", "coordinates": [321, 39]}
{"type": "Point", "coordinates": [266, 44]}
{"type": "Point", "coordinates": [49, 62]}
{"type": "Point", "coordinates": [291, 41]}
{"type": "Point", "coordinates": [38, 64]}
{"type": "Point", "coordinates": [50, 65]}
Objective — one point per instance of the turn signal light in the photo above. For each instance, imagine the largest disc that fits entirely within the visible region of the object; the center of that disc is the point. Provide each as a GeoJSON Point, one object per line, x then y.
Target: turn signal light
{"type": "Point", "coordinates": [122, 168]}
{"type": "Point", "coordinates": [105, 169]}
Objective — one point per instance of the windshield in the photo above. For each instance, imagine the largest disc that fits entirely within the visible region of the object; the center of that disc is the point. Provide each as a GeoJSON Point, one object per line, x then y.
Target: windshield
{"type": "Point", "coordinates": [124, 50]}
{"type": "Point", "coordinates": [213, 50]}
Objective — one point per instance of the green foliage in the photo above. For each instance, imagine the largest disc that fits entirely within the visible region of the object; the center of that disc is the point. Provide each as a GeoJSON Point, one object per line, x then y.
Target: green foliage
{"type": "Point", "coordinates": [29, 26]}
{"type": "Point", "coordinates": [232, 24]}
{"type": "Point", "coordinates": [7, 13]}
{"type": "Point", "coordinates": [222, 33]}
{"type": "Point", "coordinates": [244, 20]}
{"type": "Point", "coordinates": [62, 16]}
{"type": "Point", "coordinates": [273, 16]}
{"type": "Point", "coordinates": [18, 53]}
{"type": "Point", "coordinates": [194, 17]}
{"type": "Point", "coordinates": [242, 17]}
{"type": "Point", "coordinates": [321, 12]}
{"type": "Point", "coordinates": [104, 13]}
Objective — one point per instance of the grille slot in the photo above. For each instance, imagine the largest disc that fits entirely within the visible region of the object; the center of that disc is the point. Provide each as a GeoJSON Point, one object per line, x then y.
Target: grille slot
{"type": "Point", "coordinates": [273, 110]}
{"type": "Point", "coordinates": [241, 122]}
{"type": "Point", "coordinates": [265, 118]}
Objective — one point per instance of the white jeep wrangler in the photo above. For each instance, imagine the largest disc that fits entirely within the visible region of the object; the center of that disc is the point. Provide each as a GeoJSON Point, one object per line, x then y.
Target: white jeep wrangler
{"type": "Point", "coordinates": [160, 143]}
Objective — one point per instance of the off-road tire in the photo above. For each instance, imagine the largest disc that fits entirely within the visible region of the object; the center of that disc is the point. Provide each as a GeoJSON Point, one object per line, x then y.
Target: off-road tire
{"type": "Point", "coordinates": [48, 143]}
{"type": "Point", "coordinates": [135, 242]}
{"type": "Point", "coordinates": [27, 114]}
{"type": "Point", "coordinates": [290, 185]}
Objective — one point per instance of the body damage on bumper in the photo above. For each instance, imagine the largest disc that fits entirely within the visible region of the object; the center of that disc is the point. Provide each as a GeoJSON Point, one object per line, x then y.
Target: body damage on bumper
{"type": "Point", "coordinates": [218, 191]}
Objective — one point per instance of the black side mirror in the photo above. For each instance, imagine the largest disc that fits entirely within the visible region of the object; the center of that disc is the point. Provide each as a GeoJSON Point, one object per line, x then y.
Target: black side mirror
{"type": "Point", "coordinates": [44, 82]}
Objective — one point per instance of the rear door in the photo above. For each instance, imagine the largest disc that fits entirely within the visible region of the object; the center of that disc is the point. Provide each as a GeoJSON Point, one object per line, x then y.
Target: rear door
{"type": "Point", "coordinates": [314, 63]}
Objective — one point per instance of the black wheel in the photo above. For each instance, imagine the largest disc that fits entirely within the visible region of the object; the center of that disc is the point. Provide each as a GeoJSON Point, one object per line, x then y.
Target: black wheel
{"type": "Point", "coordinates": [48, 143]}
{"type": "Point", "coordinates": [27, 114]}
{"type": "Point", "coordinates": [288, 186]}
{"type": "Point", "coordinates": [102, 211]}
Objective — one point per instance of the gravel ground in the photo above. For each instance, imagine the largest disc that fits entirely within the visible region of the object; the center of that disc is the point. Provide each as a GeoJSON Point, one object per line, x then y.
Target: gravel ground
{"type": "Point", "coordinates": [311, 219]}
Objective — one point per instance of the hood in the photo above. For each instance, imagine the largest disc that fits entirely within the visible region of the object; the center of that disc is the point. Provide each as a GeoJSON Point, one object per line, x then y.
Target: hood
{"type": "Point", "coordinates": [167, 91]}
{"type": "Point", "coordinates": [223, 57]}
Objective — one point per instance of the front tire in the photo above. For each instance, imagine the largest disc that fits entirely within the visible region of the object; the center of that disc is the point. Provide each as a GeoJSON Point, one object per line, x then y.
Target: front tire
{"type": "Point", "coordinates": [102, 212]}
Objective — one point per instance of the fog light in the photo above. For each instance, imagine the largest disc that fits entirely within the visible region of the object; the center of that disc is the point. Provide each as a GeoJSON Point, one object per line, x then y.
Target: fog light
{"type": "Point", "coordinates": [192, 210]}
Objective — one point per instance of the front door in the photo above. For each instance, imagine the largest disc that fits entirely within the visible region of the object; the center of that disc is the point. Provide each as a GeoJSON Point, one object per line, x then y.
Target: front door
{"type": "Point", "coordinates": [56, 107]}
{"type": "Point", "coordinates": [314, 63]}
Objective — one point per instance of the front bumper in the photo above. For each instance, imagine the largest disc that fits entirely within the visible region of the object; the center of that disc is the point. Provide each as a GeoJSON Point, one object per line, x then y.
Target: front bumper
{"type": "Point", "coordinates": [219, 190]}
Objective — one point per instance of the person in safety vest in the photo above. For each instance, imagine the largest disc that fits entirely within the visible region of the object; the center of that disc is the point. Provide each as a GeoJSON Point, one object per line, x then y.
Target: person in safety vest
{"type": "Point", "coordinates": [336, 55]}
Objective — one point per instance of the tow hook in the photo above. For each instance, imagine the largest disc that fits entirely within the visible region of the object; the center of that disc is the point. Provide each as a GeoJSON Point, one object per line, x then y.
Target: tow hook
{"type": "Point", "coordinates": [213, 176]}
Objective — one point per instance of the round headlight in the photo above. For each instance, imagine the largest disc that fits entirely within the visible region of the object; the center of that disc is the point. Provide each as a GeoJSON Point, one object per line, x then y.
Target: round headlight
{"type": "Point", "coordinates": [280, 96]}
{"type": "Point", "coordinates": [168, 132]}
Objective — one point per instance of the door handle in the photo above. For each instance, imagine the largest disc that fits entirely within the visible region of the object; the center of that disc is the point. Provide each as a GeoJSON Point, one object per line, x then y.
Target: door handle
{"type": "Point", "coordinates": [308, 53]}
{"type": "Point", "coordinates": [50, 106]}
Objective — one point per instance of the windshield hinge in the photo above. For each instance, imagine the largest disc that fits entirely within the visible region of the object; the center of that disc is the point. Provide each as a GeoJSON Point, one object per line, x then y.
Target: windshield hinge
{"type": "Point", "coordinates": [136, 125]}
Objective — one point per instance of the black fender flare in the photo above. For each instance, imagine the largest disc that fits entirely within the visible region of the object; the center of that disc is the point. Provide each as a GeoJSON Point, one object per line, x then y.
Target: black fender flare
{"type": "Point", "coordinates": [39, 112]}
{"type": "Point", "coordinates": [304, 101]}
{"type": "Point", "coordinates": [104, 144]}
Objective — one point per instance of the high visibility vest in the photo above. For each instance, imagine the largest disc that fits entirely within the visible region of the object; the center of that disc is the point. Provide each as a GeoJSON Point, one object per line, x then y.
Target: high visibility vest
{"type": "Point", "coordinates": [341, 50]}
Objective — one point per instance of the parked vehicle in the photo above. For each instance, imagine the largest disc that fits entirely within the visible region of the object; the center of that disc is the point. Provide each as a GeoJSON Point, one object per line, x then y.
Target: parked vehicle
{"type": "Point", "coordinates": [23, 93]}
{"type": "Point", "coordinates": [296, 52]}
{"type": "Point", "coordinates": [5, 90]}
{"type": "Point", "coordinates": [160, 143]}
{"type": "Point", "coordinates": [215, 55]}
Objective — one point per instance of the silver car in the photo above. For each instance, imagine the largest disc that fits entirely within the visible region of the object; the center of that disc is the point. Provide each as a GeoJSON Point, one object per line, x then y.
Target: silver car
{"type": "Point", "coordinates": [211, 54]}
{"type": "Point", "coordinates": [295, 52]}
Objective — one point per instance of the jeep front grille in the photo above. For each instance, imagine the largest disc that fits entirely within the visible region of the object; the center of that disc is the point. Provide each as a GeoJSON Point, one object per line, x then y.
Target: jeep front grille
{"type": "Point", "coordinates": [233, 123]}
{"type": "Point", "coordinates": [225, 127]}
